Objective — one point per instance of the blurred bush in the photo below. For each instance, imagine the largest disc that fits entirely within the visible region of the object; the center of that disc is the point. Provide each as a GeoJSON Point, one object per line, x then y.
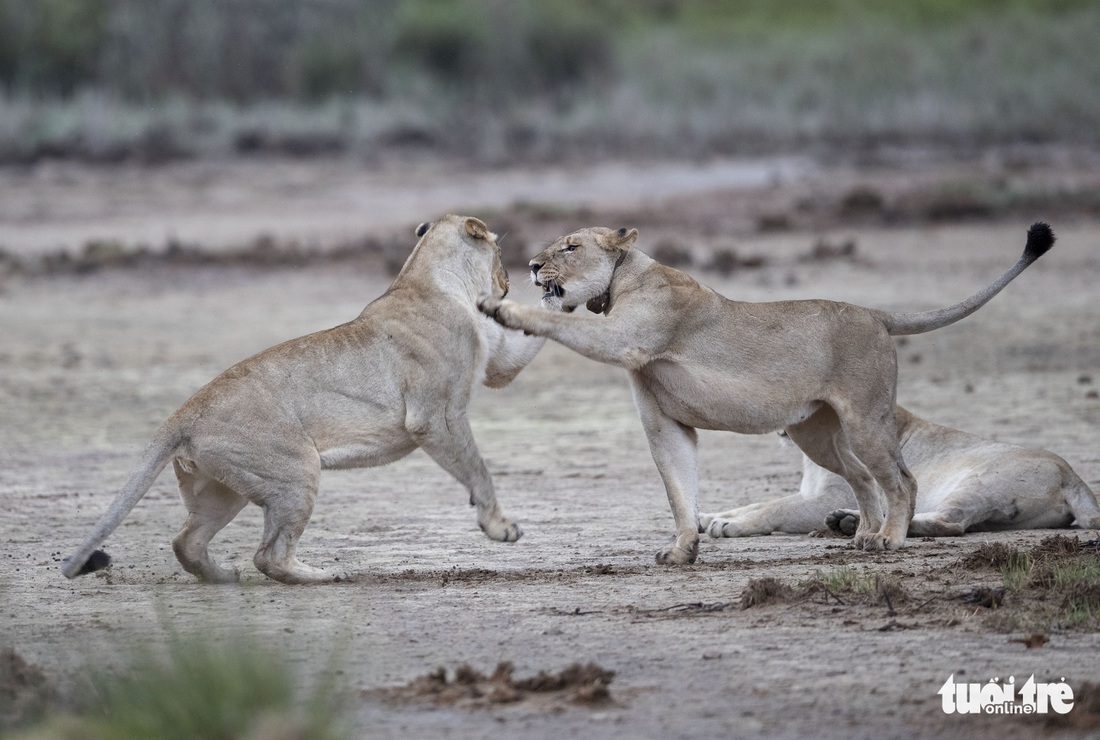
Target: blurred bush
{"type": "Point", "coordinates": [110, 79]}
{"type": "Point", "coordinates": [250, 50]}
{"type": "Point", "coordinates": [500, 51]}
{"type": "Point", "coordinates": [51, 46]}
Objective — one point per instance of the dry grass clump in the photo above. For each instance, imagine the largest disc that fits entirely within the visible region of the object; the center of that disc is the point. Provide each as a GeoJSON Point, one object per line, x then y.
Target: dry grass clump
{"type": "Point", "coordinates": [760, 591]}
{"type": "Point", "coordinates": [1053, 584]}
{"type": "Point", "coordinates": [993, 555]}
{"type": "Point", "coordinates": [845, 585]}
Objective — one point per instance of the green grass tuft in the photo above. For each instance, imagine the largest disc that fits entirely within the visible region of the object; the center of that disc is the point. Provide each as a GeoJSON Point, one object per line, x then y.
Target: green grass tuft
{"type": "Point", "coordinates": [199, 689]}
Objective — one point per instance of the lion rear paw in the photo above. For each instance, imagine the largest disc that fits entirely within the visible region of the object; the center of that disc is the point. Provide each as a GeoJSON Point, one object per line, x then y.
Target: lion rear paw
{"type": "Point", "coordinates": [225, 573]}
{"type": "Point", "coordinates": [843, 521]}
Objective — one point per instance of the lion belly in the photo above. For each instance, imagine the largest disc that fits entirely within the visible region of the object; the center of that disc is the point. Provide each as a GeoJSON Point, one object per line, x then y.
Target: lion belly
{"type": "Point", "coordinates": [708, 399]}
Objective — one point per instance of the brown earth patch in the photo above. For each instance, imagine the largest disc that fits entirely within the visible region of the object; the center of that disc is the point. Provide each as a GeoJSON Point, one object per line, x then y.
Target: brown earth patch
{"type": "Point", "coordinates": [575, 685]}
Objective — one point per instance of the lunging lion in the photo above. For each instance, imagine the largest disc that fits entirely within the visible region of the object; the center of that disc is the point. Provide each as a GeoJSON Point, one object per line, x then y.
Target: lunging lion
{"type": "Point", "coordinates": [362, 394]}
{"type": "Point", "coordinates": [823, 371]}
{"type": "Point", "coordinates": [964, 484]}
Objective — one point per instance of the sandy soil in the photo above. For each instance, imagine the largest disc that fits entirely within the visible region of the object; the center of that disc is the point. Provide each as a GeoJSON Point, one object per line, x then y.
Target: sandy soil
{"type": "Point", "coordinates": [90, 365]}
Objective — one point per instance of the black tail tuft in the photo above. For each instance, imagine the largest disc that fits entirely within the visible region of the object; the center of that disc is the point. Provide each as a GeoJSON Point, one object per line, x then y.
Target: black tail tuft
{"type": "Point", "coordinates": [98, 560]}
{"type": "Point", "coordinates": [1040, 238]}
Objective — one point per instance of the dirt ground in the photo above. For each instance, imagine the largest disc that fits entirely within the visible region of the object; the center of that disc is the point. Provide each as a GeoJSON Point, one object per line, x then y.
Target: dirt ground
{"type": "Point", "coordinates": [91, 363]}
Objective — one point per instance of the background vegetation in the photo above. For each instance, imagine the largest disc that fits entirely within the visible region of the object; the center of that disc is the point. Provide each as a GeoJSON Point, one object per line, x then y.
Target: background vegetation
{"type": "Point", "coordinates": [154, 79]}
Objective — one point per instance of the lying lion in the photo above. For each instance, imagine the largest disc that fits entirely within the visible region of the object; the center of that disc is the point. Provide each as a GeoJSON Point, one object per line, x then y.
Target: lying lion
{"type": "Point", "coordinates": [823, 371]}
{"type": "Point", "coordinates": [365, 393]}
{"type": "Point", "coordinates": [965, 484]}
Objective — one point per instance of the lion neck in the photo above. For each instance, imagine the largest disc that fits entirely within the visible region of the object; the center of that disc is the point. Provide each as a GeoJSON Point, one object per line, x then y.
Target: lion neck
{"type": "Point", "coordinates": [466, 273]}
{"type": "Point", "coordinates": [602, 302]}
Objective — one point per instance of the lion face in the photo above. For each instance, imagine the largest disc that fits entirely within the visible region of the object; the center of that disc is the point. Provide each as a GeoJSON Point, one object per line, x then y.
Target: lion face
{"type": "Point", "coordinates": [500, 275]}
{"type": "Point", "coordinates": [578, 267]}
{"type": "Point", "coordinates": [485, 239]}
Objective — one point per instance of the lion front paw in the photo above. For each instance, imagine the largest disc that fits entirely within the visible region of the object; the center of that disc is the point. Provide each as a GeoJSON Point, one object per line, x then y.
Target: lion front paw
{"type": "Point", "coordinates": [499, 310]}
{"type": "Point", "coordinates": [501, 530]}
{"type": "Point", "coordinates": [489, 305]}
{"type": "Point", "coordinates": [679, 555]}
{"type": "Point", "coordinates": [720, 528]}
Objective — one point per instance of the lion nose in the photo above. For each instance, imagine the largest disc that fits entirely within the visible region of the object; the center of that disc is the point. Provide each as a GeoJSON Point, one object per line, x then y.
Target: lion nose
{"type": "Point", "coordinates": [535, 267]}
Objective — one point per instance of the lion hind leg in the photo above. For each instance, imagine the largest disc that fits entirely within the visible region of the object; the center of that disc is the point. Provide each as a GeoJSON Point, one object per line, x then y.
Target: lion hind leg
{"type": "Point", "coordinates": [875, 444]}
{"type": "Point", "coordinates": [286, 514]}
{"type": "Point", "coordinates": [210, 506]}
{"type": "Point", "coordinates": [286, 495]}
{"type": "Point", "coordinates": [826, 444]}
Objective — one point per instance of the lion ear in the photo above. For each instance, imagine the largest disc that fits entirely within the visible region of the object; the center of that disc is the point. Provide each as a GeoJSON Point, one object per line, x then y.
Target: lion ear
{"type": "Point", "coordinates": [623, 238]}
{"type": "Point", "coordinates": [422, 229]}
{"type": "Point", "coordinates": [476, 228]}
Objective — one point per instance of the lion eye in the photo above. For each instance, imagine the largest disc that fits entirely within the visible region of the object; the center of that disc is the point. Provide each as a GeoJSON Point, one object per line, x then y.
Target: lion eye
{"type": "Point", "coordinates": [569, 248]}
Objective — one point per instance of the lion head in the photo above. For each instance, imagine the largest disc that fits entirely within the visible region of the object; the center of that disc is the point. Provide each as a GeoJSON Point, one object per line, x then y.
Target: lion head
{"type": "Point", "coordinates": [577, 269]}
{"type": "Point", "coordinates": [438, 238]}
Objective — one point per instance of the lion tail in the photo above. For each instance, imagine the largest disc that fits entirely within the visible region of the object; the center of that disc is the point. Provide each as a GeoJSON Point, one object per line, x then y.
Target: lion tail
{"type": "Point", "coordinates": [1040, 238]}
{"type": "Point", "coordinates": [88, 558]}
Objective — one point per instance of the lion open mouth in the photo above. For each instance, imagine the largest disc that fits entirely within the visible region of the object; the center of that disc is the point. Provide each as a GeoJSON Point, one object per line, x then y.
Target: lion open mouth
{"type": "Point", "coordinates": [552, 290]}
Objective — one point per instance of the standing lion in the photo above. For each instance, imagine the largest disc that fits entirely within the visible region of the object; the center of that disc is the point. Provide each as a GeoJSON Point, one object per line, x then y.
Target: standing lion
{"type": "Point", "coordinates": [823, 371]}
{"type": "Point", "coordinates": [365, 393]}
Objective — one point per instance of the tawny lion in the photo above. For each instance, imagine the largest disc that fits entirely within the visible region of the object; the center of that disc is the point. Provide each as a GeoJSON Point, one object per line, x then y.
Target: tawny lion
{"type": "Point", "coordinates": [365, 393]}
{"type": "Point", "coordinates": [823, 371]}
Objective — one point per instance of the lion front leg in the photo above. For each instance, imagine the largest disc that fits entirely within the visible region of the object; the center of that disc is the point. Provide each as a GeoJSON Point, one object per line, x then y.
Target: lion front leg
{"type": "Point", "coordinates": [606, 340]}
{"type": "Point", "coordinates": [511, 351]}
{"type": "Point", "coordinates": [787, 514]}
{"type": "Point", "coordinates": [675, 451]}
{"type": "Point", "coordinates": [450, 442]}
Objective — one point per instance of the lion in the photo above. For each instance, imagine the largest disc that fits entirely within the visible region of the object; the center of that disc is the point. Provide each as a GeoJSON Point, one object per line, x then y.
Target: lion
{"type": "Point", "coordinates": [365, 393]}
{"type": "Point", "coordinates": [965, 484]}
{"type": "Point", "coordinates": [825, 372]}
